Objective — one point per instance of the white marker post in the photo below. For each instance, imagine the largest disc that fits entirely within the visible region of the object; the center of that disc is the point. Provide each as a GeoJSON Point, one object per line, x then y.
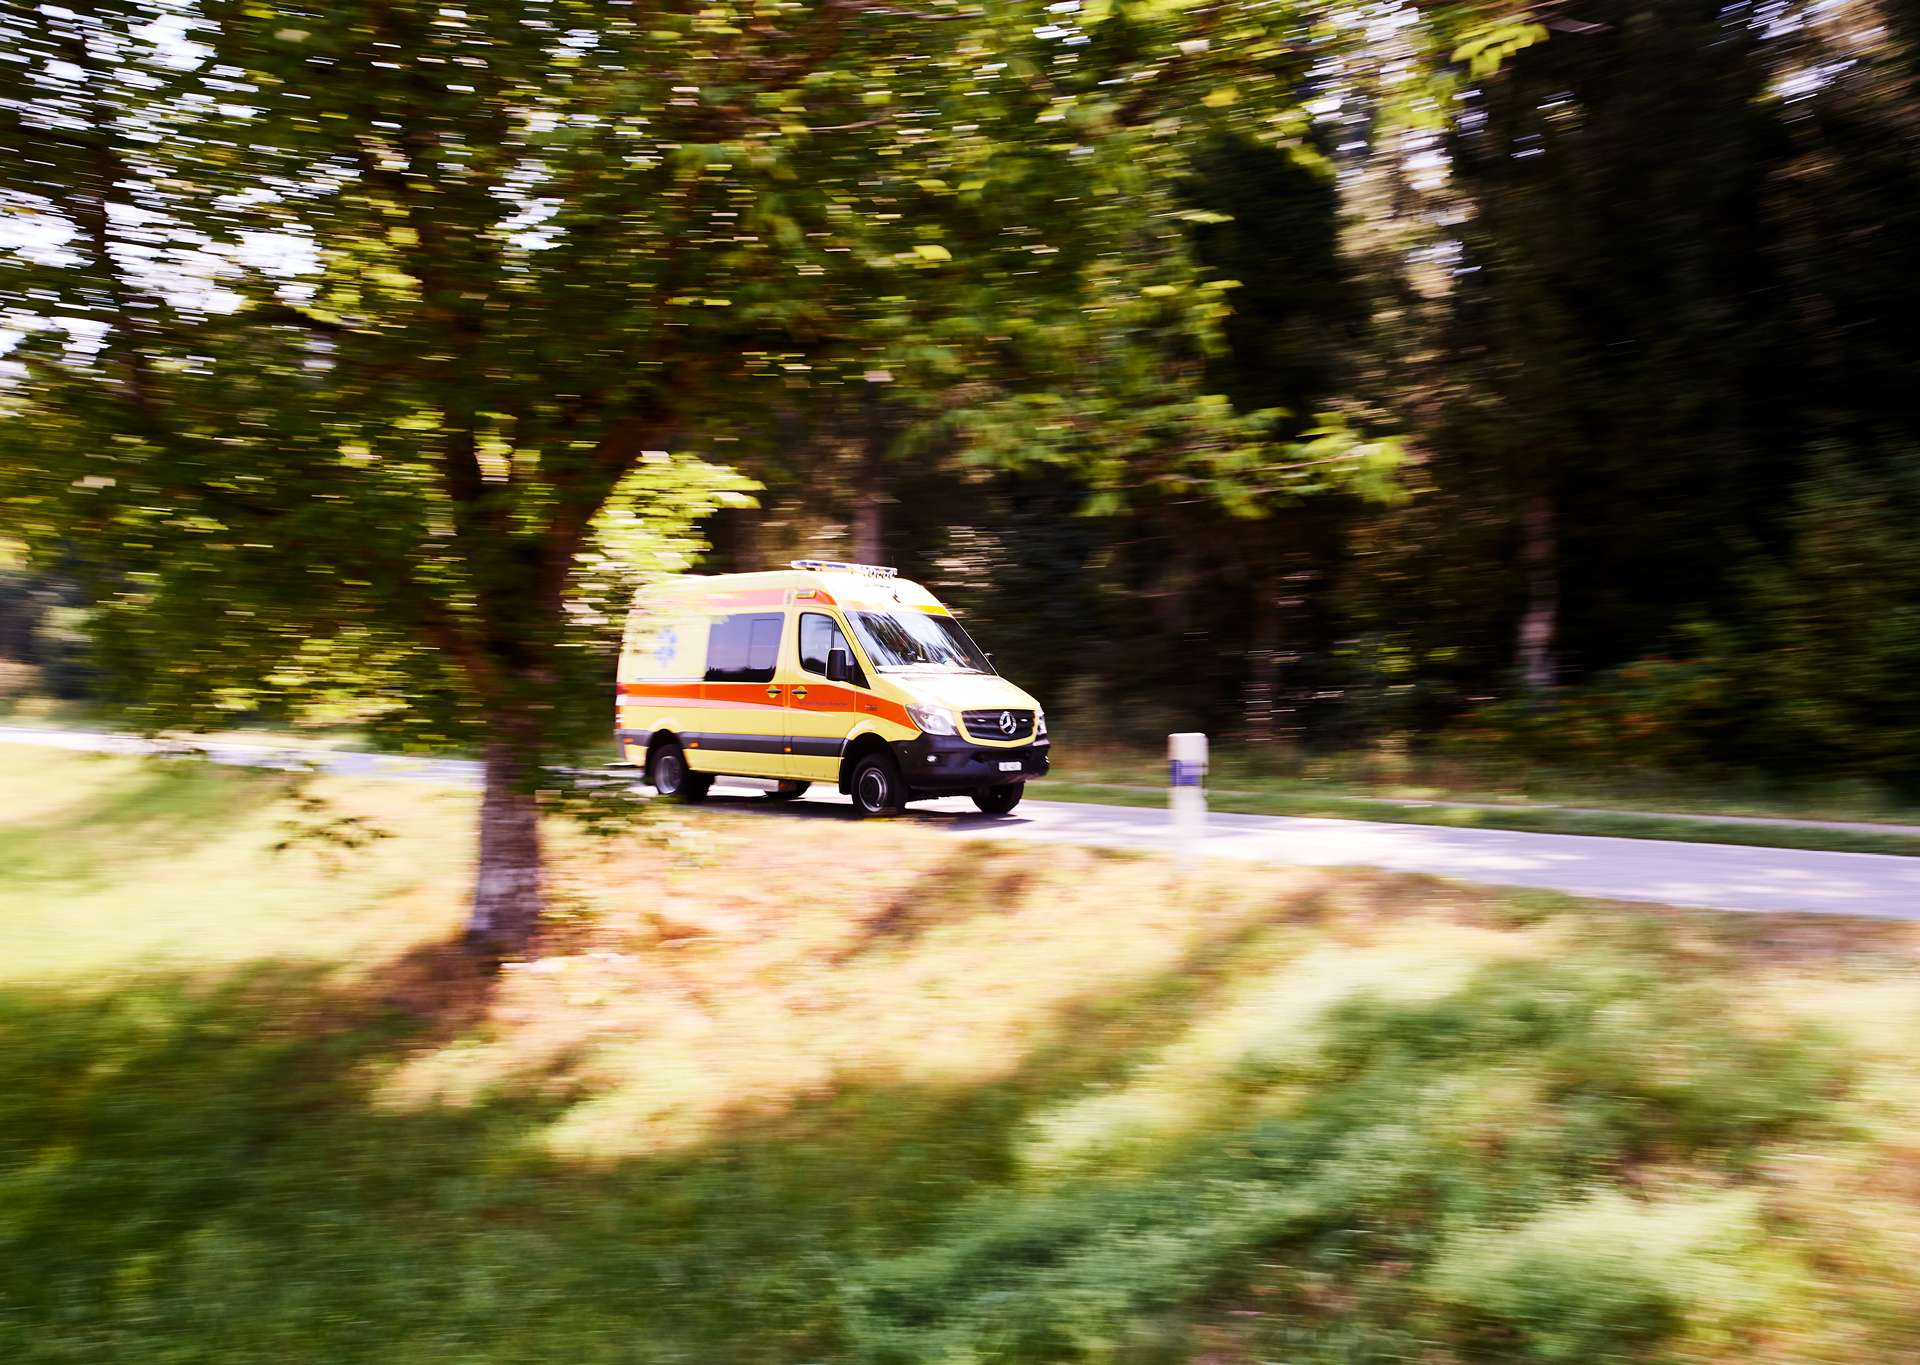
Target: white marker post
{"type": "Point", "coordinates": [1187, 795]}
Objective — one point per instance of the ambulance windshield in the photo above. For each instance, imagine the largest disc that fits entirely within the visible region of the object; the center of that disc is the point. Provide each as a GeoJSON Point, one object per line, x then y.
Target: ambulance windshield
{"type": "Point", "coordinates": [902, 639]}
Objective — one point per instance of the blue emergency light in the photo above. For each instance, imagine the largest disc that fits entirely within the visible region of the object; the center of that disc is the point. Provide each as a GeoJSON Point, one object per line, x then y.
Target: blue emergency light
{"type": "Point", "coordinates": [873, 570]}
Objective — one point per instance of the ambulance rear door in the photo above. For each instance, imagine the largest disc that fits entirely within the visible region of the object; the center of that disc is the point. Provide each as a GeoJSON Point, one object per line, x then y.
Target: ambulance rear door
{"type": "Point", "coordinates": [661, 664]}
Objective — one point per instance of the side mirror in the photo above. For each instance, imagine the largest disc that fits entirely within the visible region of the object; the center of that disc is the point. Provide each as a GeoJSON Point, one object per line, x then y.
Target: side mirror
{"type": "Point", "coordinates": [839, 665]}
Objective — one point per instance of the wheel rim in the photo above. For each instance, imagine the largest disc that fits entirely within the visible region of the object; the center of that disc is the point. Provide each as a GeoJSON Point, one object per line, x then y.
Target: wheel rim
{"type": "Point", "coordinates": [667, 774]}
{"type": "Point", "coordinates": [873, 789]}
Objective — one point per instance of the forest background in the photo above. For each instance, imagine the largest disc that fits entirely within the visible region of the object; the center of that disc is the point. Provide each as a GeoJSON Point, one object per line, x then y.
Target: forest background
{"type": "Point", "coordinates": [1561, 405]}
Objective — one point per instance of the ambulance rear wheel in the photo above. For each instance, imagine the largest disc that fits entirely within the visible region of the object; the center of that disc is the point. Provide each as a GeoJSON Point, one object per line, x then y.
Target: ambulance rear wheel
{"type": "Point", "coordinates": [788, 791]}
{"type": "Point", "coordinates": [999, 800]}
{"type": "Point", "coordinates": [878, 789]}
{"type": "Point", "coordinates": [672, 778]}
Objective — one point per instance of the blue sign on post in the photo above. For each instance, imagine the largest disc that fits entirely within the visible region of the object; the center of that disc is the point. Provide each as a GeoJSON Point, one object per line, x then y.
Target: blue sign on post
{"type": "Point", "coordinates": [1186, 794]}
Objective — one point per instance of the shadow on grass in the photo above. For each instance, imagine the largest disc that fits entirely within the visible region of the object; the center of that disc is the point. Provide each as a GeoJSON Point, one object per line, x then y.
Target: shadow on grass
{"type": "Point", "coordinates": [981, 878]}
{"type": "Point", "coordinates": [194, 1172]}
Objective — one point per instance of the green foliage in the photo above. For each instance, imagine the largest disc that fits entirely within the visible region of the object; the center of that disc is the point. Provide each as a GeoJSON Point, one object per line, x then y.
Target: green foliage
{"type": "Point", "coordinates": [1610, 339]}
{"type": "Point", "coordinates": [1658, 711]}
{"type": "Point", "coordinates": [1485, 49]}
{"type": "Point", "coordinates": [1576, 1284]}
{"type": "Point", "coordinates": [1385, 1185]}
{"type": "Point", "coordinates": [1811, 673]}
{"type": "Point", "coordinates": [360, 339]}
{"type": "Point", "coordinates": [380, 309]}
{"type": "Point", "coordinates": [41, 640]}
{"type": "Point", "coordinates": [316, 824]}
{"type": "Point", "coordinates": [205, 1177]}
{"type": "Point", "coordinates": [1834, 628]}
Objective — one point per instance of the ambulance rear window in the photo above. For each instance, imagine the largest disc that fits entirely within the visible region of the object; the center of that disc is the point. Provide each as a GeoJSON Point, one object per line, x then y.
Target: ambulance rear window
{"type": "Point", "coordinates": [744, 648]}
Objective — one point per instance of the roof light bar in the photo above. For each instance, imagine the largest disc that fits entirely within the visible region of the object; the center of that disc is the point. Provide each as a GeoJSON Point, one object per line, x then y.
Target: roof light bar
{"type": "Point", "coordinates": [870, 570]}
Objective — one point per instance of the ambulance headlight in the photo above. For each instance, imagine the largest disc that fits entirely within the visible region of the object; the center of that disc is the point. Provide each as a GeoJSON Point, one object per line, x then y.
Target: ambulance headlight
{"type": "Point", "coordinates": [932, 719]}
{"type": "Point", "coordinates": [1039, 724]}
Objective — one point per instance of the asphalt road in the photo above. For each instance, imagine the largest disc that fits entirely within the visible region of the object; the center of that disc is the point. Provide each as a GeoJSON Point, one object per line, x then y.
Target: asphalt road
{"type": "Point", "coordinates": [253, 755]}
{"type": "Point", "coordinates": [1713, 876]}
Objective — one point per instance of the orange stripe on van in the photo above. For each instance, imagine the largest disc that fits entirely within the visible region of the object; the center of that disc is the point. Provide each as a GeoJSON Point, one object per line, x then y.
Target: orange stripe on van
{"type": "Point", "coordinates": [743, 696]}
{"type": "Point", "coordinates": [834, 699]}
{"type": "Point", "coordinates": [713, 696]}
{"type": "Point", "coordinates": [665, 691]}
{"type": "Point", "coordinates": [752, 697]}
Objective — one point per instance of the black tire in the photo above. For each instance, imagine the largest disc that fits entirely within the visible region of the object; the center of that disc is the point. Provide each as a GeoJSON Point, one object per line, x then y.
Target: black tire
{"type": "Point", "coordinates": [999, 800]}
{"type": "Point", "coordinates": [668, 774]}
{"type": "Point", "coordinates": [878, 788]}
{"type": "Point", "coordinates": [789, 791]}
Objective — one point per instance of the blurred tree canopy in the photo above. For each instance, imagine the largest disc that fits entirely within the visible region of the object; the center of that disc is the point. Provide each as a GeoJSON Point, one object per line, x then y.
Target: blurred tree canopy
{"type": "Point", "coordinates": [1637, 309]}
{"type": "Point", "coordinates": [371, 348]}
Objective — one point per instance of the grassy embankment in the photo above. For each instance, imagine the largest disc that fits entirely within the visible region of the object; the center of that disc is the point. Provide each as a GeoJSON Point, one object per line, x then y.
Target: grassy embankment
{"type": "Point", "coordinates": [791, 1089]}
{"type": "Point", "coordinates": [1399, 790]}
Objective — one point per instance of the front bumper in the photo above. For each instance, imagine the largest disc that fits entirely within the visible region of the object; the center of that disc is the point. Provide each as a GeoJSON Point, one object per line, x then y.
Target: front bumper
{"type": "Point", "coordinates": [942, 764]}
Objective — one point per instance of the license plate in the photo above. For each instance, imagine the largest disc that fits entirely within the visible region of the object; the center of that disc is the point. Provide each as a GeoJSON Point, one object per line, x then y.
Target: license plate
{"type": "Point", "coordinates": [1009, 767]}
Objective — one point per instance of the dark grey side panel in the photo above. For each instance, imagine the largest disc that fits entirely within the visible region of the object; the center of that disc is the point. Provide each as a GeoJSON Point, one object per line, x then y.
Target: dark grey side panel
{"type": "Point", "coordinates": [715, 741]}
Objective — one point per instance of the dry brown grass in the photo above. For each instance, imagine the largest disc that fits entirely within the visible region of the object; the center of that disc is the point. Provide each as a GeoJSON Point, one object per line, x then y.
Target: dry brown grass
{"type": "Point", "coordinates": [750, 961]}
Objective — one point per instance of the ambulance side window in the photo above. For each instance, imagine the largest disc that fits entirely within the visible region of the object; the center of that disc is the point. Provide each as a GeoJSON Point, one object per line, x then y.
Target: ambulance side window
{"type": "Point", "coordinates": [818, 634]}
{"type": "Point", "coordinates": [744, 648]}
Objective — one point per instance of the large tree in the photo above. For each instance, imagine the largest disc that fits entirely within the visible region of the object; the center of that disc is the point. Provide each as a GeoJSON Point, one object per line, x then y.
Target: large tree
{"type": "Point", "coordinates": [349, 320]}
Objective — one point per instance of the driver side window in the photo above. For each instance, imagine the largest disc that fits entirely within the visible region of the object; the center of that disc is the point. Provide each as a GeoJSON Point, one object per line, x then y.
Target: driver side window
{"type": "Point", "coordinates": [818, 635]}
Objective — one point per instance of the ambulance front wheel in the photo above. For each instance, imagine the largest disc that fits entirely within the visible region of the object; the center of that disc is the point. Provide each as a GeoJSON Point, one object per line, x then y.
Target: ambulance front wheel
{"type": "Point", "coordinates": [672, 778]}
{"type": "Point", "coordinates": [878, 788]}
{"type": "Point", "coordinates": [999, 800]}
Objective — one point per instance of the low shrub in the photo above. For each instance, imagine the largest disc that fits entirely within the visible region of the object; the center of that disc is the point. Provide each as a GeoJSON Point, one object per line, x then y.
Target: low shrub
{"type": "Point", "coordinates": [1458, 1172]}
{"type": "Point", "coordinates": [1655, 712]}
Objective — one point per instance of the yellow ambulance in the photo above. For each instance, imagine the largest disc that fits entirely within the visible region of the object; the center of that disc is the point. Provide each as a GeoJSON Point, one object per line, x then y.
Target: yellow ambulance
{"type": "Point", "coordinates": [822, 672]}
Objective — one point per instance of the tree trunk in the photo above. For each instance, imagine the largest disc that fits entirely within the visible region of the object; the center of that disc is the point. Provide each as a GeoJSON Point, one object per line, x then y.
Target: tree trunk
{"type": "Point", "coordinates": [1541, 621]}
{"type": "Point", "coordinates": [507, 889]}
{"type": "Point", "coordinates": [1263, 663]}
{"type": "Point", "coordinates": [870, 490]}
{"type": "Point", "coordinates": [867, 547]}
{"type": "Point", "coordinates": [734, 533]}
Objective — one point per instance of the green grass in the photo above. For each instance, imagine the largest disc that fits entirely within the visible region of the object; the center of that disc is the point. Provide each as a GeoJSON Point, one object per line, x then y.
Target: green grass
{"type": "Point", "coordinates": [1611, 824]}
{"type": "Point", "coordinates": [791, 1089]}
{"type": "Point", "coordinates": [105, 862]}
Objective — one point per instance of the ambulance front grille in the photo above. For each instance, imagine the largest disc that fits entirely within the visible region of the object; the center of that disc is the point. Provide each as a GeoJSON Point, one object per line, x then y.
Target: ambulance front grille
{"type": "Point", "coordinates": [1001, 724]}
